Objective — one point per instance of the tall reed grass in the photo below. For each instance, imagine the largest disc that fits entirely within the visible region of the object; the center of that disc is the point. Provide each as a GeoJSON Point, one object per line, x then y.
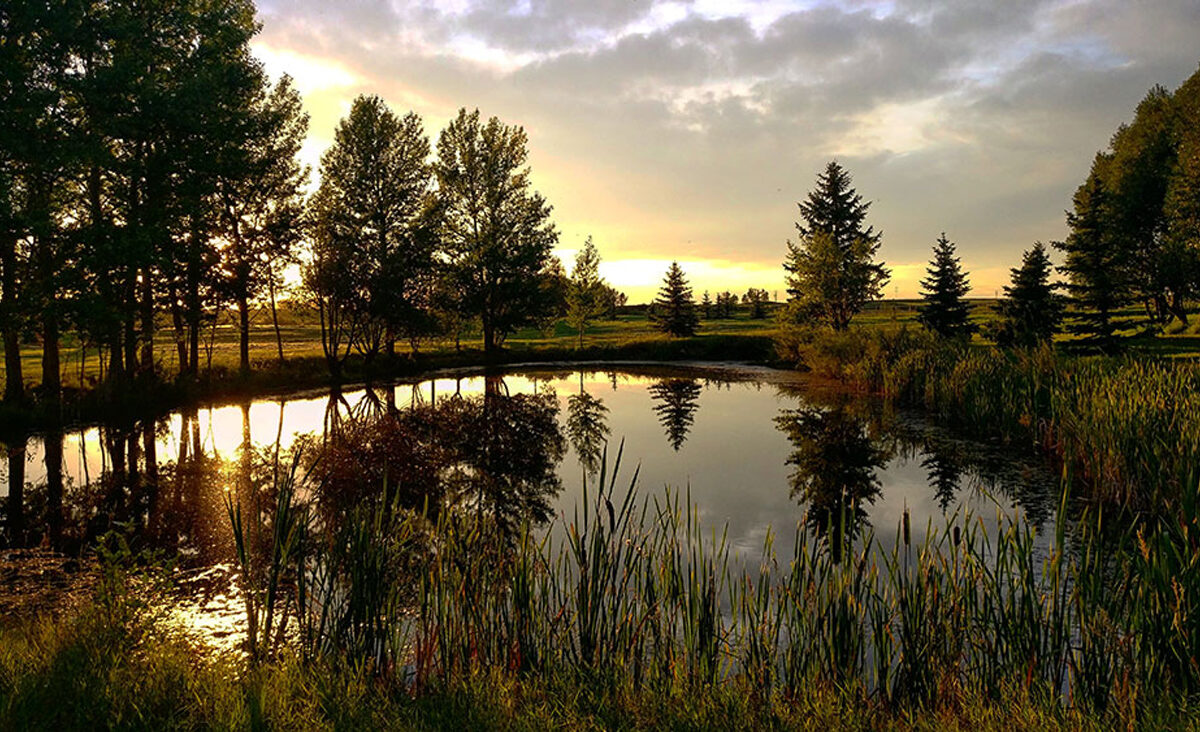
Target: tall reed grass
{"type": "Point", "coordinates": [637, 595]}
{"type": "Point", "coordinates": [1127, 429]}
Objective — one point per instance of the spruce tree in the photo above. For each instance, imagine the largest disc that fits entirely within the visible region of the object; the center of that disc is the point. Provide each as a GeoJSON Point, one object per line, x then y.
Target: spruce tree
{"type": "Point", "coordinates": [1097, 270]}
{"type": "Point", "coordinates": [944, 311]}
{"type": "Point", "coordinates": [832, 270]}
{"type": "Point", "coordinates": [1031, 312]}
{"type": "Point", "coordinates": [674, 312]}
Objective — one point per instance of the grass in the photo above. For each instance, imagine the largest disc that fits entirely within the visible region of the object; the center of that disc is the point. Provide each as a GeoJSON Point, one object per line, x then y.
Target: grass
{"type": "Point", "coordinates": [637, 619]}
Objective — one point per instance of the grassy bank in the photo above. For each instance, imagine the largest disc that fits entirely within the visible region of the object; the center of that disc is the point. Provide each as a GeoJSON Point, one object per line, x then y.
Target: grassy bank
{"type": "Point", "coordinates": [1126, 428]}
{"type": "Point", "coordinates": [638, 618]}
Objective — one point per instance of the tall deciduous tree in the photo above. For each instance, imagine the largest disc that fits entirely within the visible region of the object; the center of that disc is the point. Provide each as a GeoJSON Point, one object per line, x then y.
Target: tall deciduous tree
{"type": "Point", "coordinates": [1032, 311]}
{"type": "Point", "coordinates": [262, 203]}
{"type": "Point", "coordinates": [832, 270]}
{"type": "Point", "coordinates": [373, 215]}
{"type": "Point", "coordinates": [496, 231]}
{"type": "Point", "coordinates": [585, 290]}
{"type": "Point", "coordinates": [944, 309]}
{"type": "Point", "coordinates": [674, 310]}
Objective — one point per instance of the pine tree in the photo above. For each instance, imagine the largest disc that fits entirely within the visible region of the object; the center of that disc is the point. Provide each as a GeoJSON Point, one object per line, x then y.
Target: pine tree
{"type": "Point", "coordinates": [706, 305]}
{"type": "Point", "coordinates": [1097, 272]}
{"type": "Point", "coordinates": [944, 311]}
{"type": "Point", "coordinates": [832, 270]}
{"type": "Point", "coordinates": [1031, 312]}
{"type": "Point", "coordinates": [674, 311]}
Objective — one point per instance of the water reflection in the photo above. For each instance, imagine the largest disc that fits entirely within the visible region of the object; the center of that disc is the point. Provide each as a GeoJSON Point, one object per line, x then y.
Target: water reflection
{"type": "Point", "coordinates": [675, 403]}
{"type": "Point", "coordinates": [495, 445]}
{"type": "Point", "coordinates": [835, 471]}
{"type": "Point", "coordinates": [587, 428]}
{"type": "Point", "coordinates": [495, 454]}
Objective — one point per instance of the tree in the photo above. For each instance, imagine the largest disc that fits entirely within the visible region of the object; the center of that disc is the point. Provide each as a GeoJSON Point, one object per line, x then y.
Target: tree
{"type": "Point", "coordinates": [757, 300]}
{"type": "Point", "coordinates": [675, 403]}
{"type": "Point", "coordinates": [1097, 271]}
{"type": "Point", "coordinates": [706, 305]}
{"type": "Point", "coordinates": [831, 269]}
{"type": "Point", "coordinates": [379, 221]}
{"type": "Point", "coordinates": [674, 311]}
{"type": "Point", "coordinates": [496, 231]}
{"type": "Point", "coordinates": [1032, 311]}
{"type": "Point", "coordinates": [585, 290]}
{"type": "Point", "coordinates": [262, 204]}
{"type": "Point", "coordinates": [944, 310]}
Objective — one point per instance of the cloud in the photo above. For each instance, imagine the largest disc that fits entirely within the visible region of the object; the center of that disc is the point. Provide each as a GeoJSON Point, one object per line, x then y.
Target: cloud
{"type": "Point", "coordinates": [689, 128]}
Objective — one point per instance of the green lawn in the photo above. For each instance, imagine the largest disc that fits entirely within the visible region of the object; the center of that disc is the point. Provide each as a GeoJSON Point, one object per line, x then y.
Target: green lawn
{"type": "Point", "coordinates": [302, 339]}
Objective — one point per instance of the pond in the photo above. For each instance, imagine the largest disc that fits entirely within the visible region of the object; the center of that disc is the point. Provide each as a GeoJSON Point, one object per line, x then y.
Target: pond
{"type": "Point", "coordinates": [754, 450]}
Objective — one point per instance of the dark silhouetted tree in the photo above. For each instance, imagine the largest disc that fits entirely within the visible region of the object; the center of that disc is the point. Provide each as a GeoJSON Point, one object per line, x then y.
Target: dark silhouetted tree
{"type": "Point", "coordinates": [1096, 268]}
{"type": "Point", "coordinates": [757, 300]}
{"type": "Point", "coordinates": [1031, 311]}
{"type": "Point", "coordinates": [674, 310]}
{"type": "Point", "coordinates": [835, 468]}
{"type": "Point", "coordinates": [944, 309]}
{"type": "Point", "coordinates": [496, 231]}
{"type": "Point", "coordinates": [675, 403]}
{"type": "Point", "coordinates": [832, 270]}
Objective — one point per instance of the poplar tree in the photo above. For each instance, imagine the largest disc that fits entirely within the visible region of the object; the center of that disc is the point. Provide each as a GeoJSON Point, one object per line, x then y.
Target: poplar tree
{"type": "Point", "coordinates": [495, 230]}
{"type": "Point", "coordinates": [585, 290]}
{"type": "Point", "coordinates": [944, 310]}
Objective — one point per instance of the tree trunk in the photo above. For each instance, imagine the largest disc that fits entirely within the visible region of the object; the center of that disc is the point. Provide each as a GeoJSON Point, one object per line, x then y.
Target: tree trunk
{"type": "Point", "coordinates": [243, 306]}
{"type": "Point", "coordinates": [275, 318]}
{"type": "Point", "coordinates": [53, 443]}
{"type": "Point", "coordinates": [147, 323]}
{"type": "Point", "coordinates": [14, 378]}
{"type": "Point", "coordinates": [51, 368]}
{"type": "Point", "coordinates": [180, 332]}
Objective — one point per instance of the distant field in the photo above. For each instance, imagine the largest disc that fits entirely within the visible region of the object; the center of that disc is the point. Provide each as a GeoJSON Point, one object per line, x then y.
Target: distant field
{"type": "Point", "coordinates": [302, 338]}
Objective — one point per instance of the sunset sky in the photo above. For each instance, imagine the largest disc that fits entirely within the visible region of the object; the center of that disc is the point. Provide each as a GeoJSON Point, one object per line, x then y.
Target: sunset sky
{"type": "Point", "coordinates": [688, 130]}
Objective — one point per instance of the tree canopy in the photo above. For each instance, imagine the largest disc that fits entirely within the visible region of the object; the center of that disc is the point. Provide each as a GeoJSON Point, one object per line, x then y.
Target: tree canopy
{"type": "Point", "coordinates": [831, 269]}
{"type": "Point", "coordinates": [943, 309]}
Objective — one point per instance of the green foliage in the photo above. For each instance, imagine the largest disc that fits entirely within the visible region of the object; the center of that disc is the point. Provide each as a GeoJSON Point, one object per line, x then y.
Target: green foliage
{"type": "Point", "coordinates": [757, 300]}
{"type": "Point", "coordinates": [832, 270]}
{"type": "Point", "coordinates": [943, 310]}
{"type": "Point", "coordinates": [1032, 310]}
{"type": "Point", "coordinates": [374, 249]}
{"type": "Point", "coordinates": [585, 290]}
{"type": "Point", "coordinates": [495, 231]}
{"type": "Point", "coordinates": [1096, 266]}
{"type": "Point", "coordinates": [674, 310]}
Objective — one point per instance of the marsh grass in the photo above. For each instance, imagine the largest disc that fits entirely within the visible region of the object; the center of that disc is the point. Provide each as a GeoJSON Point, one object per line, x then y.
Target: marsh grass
{"type": "Point", "coordinates": [1126, 429]}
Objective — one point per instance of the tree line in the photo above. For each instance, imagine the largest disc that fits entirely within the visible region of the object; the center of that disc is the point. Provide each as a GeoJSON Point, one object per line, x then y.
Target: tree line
{"type": "Point", "coordinates": [1134, 240]}
{"type": "Point", "coordinates": [149, 179]}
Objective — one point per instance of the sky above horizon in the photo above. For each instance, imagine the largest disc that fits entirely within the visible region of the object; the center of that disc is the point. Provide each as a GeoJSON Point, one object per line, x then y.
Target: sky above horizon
{"type": "Point", "coordinates": [688, 129]}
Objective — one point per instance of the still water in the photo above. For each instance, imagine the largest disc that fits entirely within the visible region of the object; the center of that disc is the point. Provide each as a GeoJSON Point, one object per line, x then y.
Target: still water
{"type": "Point", "coordinates": [755, 450]}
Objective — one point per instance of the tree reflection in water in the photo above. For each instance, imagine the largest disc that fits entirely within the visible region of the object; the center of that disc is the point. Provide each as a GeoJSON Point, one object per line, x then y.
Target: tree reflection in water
{"type": "Point", "coordinates": [587, 428]}
{"type": "Point", "coordinates": [835, 471]}
{"type": "Point", "coordinates": [675, 403]}
{"type": "Point", "coordinates": [495, 454]}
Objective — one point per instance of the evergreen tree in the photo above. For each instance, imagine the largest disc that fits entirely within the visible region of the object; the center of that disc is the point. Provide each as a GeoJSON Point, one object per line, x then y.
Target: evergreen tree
{"type": "Point", "coordinates": [944, 310]}
{"type": "Point", "coordinates": [1031, 312]}
{"type": "Point", "coordinates": [832, 270]}
{"type": "Point", "coordinates": [675, 403]}
{"type": "Point", "coordinates": [585, 290]}
{"type": "Point", "coordinates": [706, 305]}
{"type": "Point", "coordinates": [674, 311]}
{"type": "Point", "coordinates": [496, 232]}
{"type": "Point", "coordinates": [1096, 268]}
